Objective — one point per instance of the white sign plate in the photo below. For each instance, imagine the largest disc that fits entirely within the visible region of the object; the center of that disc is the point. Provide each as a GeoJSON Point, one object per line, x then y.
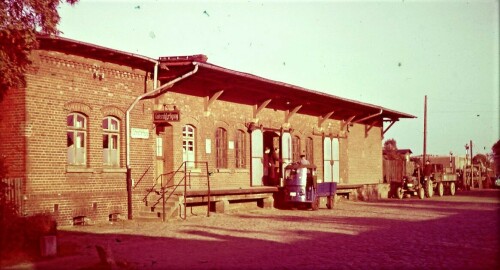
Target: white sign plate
{"type": "Point", "coordinates": [139, 133]}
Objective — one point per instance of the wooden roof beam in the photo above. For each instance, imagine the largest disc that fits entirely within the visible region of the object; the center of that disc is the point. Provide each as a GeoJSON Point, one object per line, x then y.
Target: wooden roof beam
{"type": "Point", "coordinates": [388, 127]}
{"type": "Point", "coordinates": [258, 108]}
{"type": "Point", "coordinates": [321, 119]}
{"type": "Point", "coordinates": [347, 123]}
{"type": "Point", "coordinates": [368, 127]}
{"type": "Point", "coordinates": [289, 114]}
{"type": "Point", "coordinates": [210, 100]}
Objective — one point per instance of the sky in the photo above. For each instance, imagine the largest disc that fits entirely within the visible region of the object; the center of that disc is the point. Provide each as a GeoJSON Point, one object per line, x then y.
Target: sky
{"type": "Point", "coordinates": [387, 53]}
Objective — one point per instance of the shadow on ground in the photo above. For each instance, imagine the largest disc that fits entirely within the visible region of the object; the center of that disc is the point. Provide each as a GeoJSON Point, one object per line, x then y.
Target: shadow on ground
{"type": "Point", "coordinates": [466, 237]}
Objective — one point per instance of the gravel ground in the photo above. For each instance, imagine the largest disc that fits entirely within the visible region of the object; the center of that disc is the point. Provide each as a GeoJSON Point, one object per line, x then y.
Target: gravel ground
{"type": "Point", "coordinates": [459, 232]}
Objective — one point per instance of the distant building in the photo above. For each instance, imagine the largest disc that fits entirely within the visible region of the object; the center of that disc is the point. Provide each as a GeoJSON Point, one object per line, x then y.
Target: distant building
{"type": "Point", "coordinates": [396, 164]}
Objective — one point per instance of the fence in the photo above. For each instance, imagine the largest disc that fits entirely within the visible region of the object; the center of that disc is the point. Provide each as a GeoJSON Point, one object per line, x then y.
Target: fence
{"type": "Point", "coordinates": [394, 170]}
{"type": "Point", "coordinates": [13, 191]}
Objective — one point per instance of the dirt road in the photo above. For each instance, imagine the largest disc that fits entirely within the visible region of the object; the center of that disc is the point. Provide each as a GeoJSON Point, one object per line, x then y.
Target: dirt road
{"type": "Point", "coordinates": [459, 232]}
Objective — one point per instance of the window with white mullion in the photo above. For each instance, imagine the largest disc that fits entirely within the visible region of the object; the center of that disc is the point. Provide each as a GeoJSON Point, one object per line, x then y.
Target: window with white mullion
{"type": "Point", "coordinates": [111, 141]}
{"type": "Point", "coordinates": [188, 145]}
{"type": "Point", "coordinates": [76, 135]}
{"type": "Point", "coordinates": [221, 148]}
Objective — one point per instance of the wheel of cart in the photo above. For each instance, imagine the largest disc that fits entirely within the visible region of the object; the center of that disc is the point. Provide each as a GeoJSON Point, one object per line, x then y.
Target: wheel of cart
{"type": "Point", "coordinates": [330, 203]}
{"type": "Point", "coordinates": [440, 189]}
{"type": "Point", "coordinates": [452, 189]}
{"type": "Point", "coordinates": [315, 204]}
{"type": "Point", "coordinates": [421, 193]}
{"type": "Point", "coordinates": [328, 190]}
{"type": "Point", "coordinates": [400, 193]}
{"type": "Point", "coordinates": [429, 189]}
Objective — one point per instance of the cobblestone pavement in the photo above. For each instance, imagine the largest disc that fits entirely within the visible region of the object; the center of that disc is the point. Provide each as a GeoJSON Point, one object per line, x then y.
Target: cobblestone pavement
{"type": "Point", "coordinates": [459, 232]}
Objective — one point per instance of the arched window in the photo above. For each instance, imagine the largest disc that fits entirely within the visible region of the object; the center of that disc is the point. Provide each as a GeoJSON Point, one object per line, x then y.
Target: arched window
{"type": "Point", "coordinates": [111, 141]}
{"type": "Point", "coordinates": [239, 149]}
{"type": "Point", "coordinates": [188, 145]}
{"type": "Point", "coordinates": [221, 148]}
{"type": "Point", "coordinates": [76, 136]}
{"type": "Point", "coordinates": [295, 149]}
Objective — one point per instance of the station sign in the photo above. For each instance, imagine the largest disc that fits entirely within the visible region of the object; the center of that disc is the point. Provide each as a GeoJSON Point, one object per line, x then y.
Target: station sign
{"type": "Point", "coordinates": [166, 116]}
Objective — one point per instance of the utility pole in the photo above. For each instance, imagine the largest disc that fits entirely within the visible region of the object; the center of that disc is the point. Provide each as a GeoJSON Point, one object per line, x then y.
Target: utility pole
{"type": "Point", "coordinates": [471, 166]}
{"type": "Point", "coordinates": [425, 132]}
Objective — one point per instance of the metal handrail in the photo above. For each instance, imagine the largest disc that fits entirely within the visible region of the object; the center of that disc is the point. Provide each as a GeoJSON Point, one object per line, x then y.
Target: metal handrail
{"type": "Point", "coordinates": [144, 174]}
{"type": "Point", "coordinates": [155, 182]}
{"type": "Point", "coordinates": [184, 179]}
{"type": "Point", "coordinates": [163, 188]}
{"type": "Point", "coordinates": [185, 186]}
{"type": "Point", "coordinates": [161, 183]}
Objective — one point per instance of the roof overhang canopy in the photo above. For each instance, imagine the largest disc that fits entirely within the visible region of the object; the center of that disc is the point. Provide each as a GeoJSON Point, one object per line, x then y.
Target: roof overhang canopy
{"type": "Point", "coordinates": [69, 46]}
{"type": "Point", "coordinates": [232, 86]}
{"type": "Point", "coordinates": [249, 89]}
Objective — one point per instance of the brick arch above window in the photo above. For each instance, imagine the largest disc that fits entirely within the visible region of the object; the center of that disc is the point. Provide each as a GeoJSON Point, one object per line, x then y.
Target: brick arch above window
{"type": "Point", "coordinates": [299, 132]}
{"type": "Point", "coordinates": [222, 124]}
{"type": "Point", "coordinates": [113, 111]}
{"type": "Point", "coordinates": [189, 120]}
{"type": "Point", "coordinates": [75, 106]}
{"type": "Point", "coordinates": [240, 126]}
{"type": "Point", "coordinates": [221, 148]}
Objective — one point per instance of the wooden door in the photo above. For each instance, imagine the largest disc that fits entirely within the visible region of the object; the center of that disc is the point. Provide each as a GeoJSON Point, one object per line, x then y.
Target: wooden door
{"type": "Point", "coordinates": [257, 158]}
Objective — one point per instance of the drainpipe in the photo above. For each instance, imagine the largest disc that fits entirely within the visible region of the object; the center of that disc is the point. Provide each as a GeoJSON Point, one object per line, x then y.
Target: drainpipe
{"type": "Point", "coordinates": [127, 126]}
{"type": "Point", "coordinates": [155, 76]}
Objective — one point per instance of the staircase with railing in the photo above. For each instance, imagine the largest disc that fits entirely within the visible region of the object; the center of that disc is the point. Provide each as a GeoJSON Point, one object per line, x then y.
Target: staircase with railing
{"type": "Point", "coordinates": [167, 197]}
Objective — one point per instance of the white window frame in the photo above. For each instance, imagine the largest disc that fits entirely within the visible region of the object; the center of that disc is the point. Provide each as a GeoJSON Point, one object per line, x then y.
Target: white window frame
{"type": "Point", "coordinates": [189, 145]}
{"type": "Point", "coordinates": [111, 141]}
{"type": "Point", "coordinates": [76, 139]}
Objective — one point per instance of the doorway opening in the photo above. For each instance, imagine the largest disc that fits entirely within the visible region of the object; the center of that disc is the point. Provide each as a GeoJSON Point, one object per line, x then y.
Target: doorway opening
{"type": "Point", "coordinates": [271, 158]}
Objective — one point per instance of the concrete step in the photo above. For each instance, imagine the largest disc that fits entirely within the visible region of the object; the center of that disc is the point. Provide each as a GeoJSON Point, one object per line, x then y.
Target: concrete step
{"type": "Point", "coordinates": [145, 214]}
{"type": "Point", "coordinates": [153, 207]}
{"type": "Point", "coordinates": [147, 219]}
{"type": "Point", "coordinates": [169, 213]}
{"type": "Point", "coordinates": [149, 206]}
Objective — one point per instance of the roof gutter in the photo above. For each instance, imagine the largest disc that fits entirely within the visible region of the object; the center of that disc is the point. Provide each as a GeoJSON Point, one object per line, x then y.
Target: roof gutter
{"type": "Point", "coordinates": [127, 124]}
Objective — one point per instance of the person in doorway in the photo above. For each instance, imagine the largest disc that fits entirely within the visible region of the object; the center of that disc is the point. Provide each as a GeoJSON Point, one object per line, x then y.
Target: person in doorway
{"type": "Point", "coordinates": [275, 160]}
{"type": "Point", "coordinates": [303, 160]}
{"type": "Point", "coordinates": [267, 162]}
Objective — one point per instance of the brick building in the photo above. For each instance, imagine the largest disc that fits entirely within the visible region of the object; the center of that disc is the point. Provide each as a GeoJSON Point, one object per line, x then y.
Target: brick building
{"type": "Point", "coordinates": [98, 132]}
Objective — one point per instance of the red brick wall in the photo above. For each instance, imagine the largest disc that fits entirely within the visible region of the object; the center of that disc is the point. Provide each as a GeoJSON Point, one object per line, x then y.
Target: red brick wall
{"type": "Point", "coordinates": [60, 84]}
{"type": "Point", "coordinates": [360, 157]}
{"type": "Point", "coordinates": [13, 131]}
{"type": "Point", "coordinates": [364, 155]}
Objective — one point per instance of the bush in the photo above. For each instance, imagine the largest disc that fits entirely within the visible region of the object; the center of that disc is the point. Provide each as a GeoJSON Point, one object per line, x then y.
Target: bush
{"type": "Point", "coordinates": [22, 234]}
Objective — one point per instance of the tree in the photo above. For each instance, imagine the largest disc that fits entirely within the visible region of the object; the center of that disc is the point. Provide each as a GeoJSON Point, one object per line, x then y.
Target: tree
{"type": "Point", "coordinates": [496, 148]}
{"type": "Point", "coordinates": [390, 144]}
{"type": "Point", "coordinates": [20, 22]}
{"type": "Point", "coordinates": [496, 156]}
{"type": "Point", "coordinates": [481, 159]}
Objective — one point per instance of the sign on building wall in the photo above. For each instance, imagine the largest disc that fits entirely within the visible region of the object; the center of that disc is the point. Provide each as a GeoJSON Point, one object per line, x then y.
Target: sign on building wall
{"type": "Point", "coordinates": [208, 146]}
{"type": "Point", "coordinates": [139, 133]}
{"type": "Point", "coordinates": [166, 116]}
